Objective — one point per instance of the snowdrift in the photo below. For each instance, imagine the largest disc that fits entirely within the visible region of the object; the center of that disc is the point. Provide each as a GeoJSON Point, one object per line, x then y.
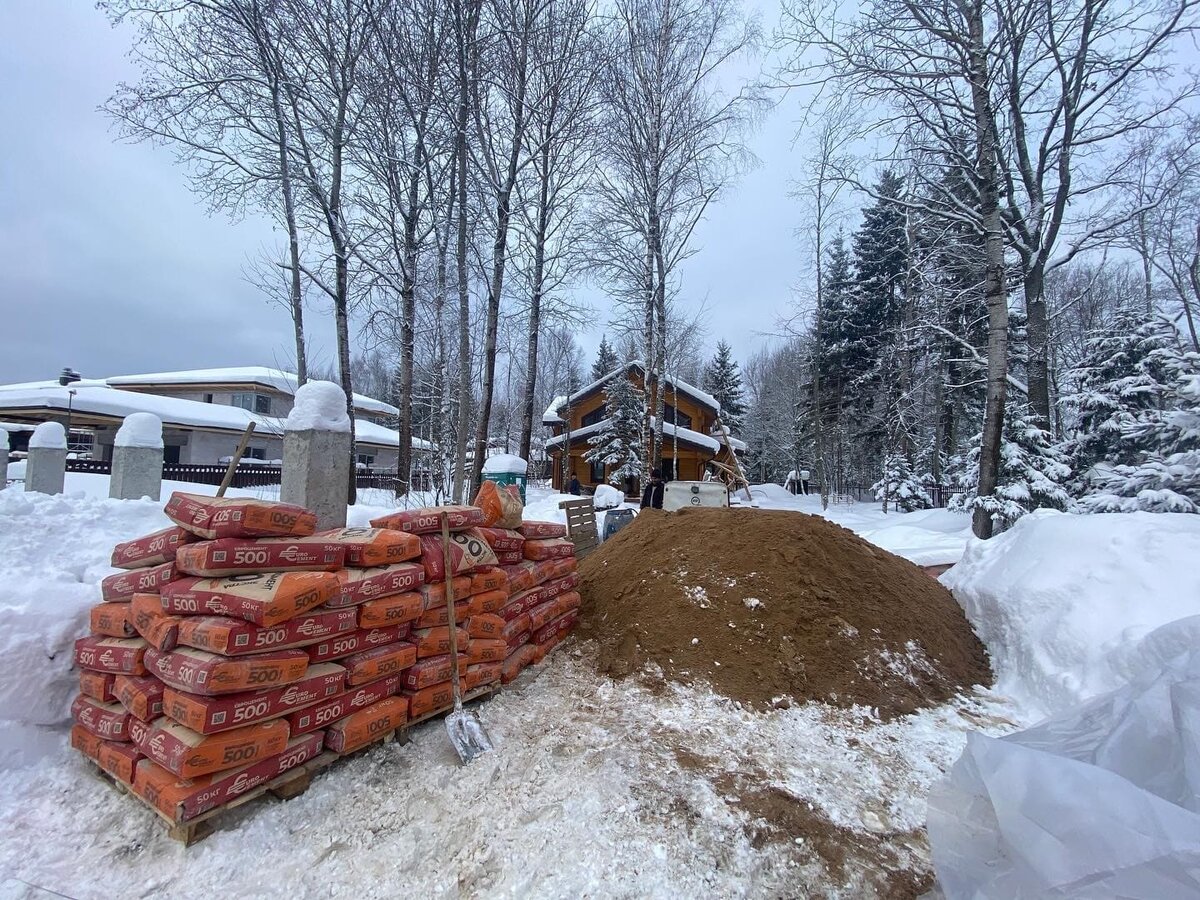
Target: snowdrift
{"type": "Point", "coordinates": [1063, 602]}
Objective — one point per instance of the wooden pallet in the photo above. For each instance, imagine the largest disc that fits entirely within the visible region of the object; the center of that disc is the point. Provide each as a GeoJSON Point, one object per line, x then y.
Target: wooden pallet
{"type": "Point", "coordinates": [286, 786]}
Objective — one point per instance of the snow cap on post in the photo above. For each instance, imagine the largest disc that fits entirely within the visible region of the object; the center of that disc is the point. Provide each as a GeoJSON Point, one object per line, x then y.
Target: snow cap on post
{"type": "Point", "coordinates": [319, 406]}
{"type": "Point", "coordinates": [505, 464]}
{"type": "Point", "coordinates": [48, 436]}
{"type": "Point", "coordinates": [140, 429]}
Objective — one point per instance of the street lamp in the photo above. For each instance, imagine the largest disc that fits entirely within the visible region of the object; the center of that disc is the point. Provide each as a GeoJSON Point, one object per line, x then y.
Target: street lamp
{"type": "Point", "coordinates": [65, 377]}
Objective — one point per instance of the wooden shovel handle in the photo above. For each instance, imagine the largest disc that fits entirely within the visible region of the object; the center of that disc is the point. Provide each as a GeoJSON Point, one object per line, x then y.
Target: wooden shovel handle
{"type": "Point", "coordinates": [237, 458]}
{"type": "Point", "coordinates": [450, 611]}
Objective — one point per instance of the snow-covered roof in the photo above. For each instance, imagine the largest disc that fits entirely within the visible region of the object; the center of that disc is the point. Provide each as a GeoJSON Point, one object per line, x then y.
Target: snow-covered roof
{"type": "Point", "coordinates": [685, 434]}
{"type": "Point", "coordinates": [551, 416]}
{"type": "Point", "coordinates": [675, 384]}
{"type": "Point", "coordinates": [284, 382]}
{"type": "Point", "coordinates": [101, 400]}
{"type": "Point", "coordinates": [505, 464]}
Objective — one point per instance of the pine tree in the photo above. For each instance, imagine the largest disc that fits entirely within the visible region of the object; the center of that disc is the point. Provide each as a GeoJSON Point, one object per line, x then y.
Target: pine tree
{"type": "Point", "coordinates": [901, 487]}
{"type": "Point", "coordinates": [619, 442]}
{"type": "Point", "coordinates": [1121, 381]}
{"type": "Point", "coordinates": [1148, 414]}
{"type": "Point", "coordinates": [1032, 473]}
{"type": "Point", "coordinates": [723, 380]}
{"type": "Point", "coordinates": [606, 360]}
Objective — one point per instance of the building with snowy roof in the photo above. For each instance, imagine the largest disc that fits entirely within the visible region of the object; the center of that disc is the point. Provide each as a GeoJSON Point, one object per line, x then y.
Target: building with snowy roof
{"type": "Point", "coordinates": [691, 436]}
{"type": "Point", "coordinates": [203, 411]}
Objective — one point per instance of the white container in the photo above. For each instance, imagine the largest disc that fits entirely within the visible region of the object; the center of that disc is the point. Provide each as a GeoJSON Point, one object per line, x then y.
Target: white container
{"type": "Point", "coordinates": [685, 494]}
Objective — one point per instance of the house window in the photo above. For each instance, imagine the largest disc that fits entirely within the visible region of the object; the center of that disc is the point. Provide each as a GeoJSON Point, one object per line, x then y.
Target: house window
{"type": "Point", "coordinates": [675, 417]}
{"type": "Point", "coordinates": [258, 403]}
{"type": "Point", "coordinates": [596, 473]}
{"type": "Point", "coordinates": [208, 398]}
{"type": "Point", "coordinates": [366, 459]}
{"type": "Point", "coordinates": [254, 453]}
{"type": "Point", "coordinates": [596, 415]}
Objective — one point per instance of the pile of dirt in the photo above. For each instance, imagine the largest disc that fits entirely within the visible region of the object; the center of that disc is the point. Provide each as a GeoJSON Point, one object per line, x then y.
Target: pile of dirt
{"type": "Point", "coordinates": [770, 607]}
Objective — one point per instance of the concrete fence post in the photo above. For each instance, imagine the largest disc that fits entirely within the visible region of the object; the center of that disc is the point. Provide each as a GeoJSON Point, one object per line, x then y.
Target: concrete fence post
{"type": "Point", "coordinates": [46, 465]}
{"type": "Point", "coordinates": [137, 461]}
{"type": "Point", "coordinates": [3, 458]}
{"type": "Point", "coordinates": [316, 453]}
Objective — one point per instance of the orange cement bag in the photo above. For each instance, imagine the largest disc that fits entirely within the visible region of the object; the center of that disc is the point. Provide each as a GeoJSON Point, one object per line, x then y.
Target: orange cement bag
{"type": "Point", "coordinates": [540, 530]}
{"type": "Point", "coordinates": [555, 631]}
{"type": "Point", "coordinates": [189, 754]}
{"type": "Point", "coordinates": [388, 611]}
{"type": "Point", "coordinates": [542, 614]}
{"type": "Point", "coordinates": [233, 556]}
{"type": "Point", "coordinates": [117, 759]}
{"type": "Point", "coordinates": [518, 626]}
{"type": "Point", "coordinates": [97, 685]}
{"type": "Point", "coordinates": [468, 551]}
{"type": "Point", "coordinates": [521, 577]}
{"type": "Point", "coordinates": [434, 594]}
{"type": "Point", "coordinates": [501, 507]}
{"type": "Point", "coordinates": [142, 695]}
{"type": "Point", "coordinates": [556, 586]}
{"type": "Point", "coordinates": [436, 641]}
{"type": "Point", "coordinates": [112, 620]}
{"type": "Point", "coordinates": [209, 715]}
{"type": "Point", "coordinates": [487, 625]}
{"type": "Point", "coordinates": [105, 720]}
{"type": "Point", "coordinates": [157, 629]}
{"type": "Point", "coordinates": [123, 585]}
{"type": "Point", "coordinates": [325, 713]}
{"type": "Point", "coordinates": [181, 799]}
{"type": "Point", "coordinates": [151, 550]}
{"type": "Point", "coordinates": [481, 650]}
{"type": "Point", "coordinates": [236, 637]}
{"type": "Point", "coordinates": [515, 662]}
{"type": "Point", "coordinates": [428, 519]}
{"type": "Point", "coordinates": [262, 599]}
{"type": "Point", "coordinates": [569, 601]}
{"type": "Point", "coordinates": [426, 672]}
{"type": "Point", "coordinates": [549, 548]}
{"type": "Point", "coordinates": [521, 603]}
{"type": "Point", "coordinates": [356, 642]}
{"type": "Point", "coordinates": [367, 725]}
{"type": "Point", "coordinates": [503, 539]}
{"type": "Point", "coordinates": [201, 672]}
{"type": "Point", "coordinates": [373, 546]}
{"type": "Point", "coordinates": [488, 602]}
{"type": "Point", "coordinates": [84, 741]}
{"type": "Point", "coordinates": [431, 699]}
{"type": "Point", "coordinates": [361, 585]}
{"type": "Point", "coordinates": [222, 517]}
{"type": "Point", "coordinates": [493, 579]}
{"type": "Point", "coordinates": [479, 675]}
{"type": "Point", "coordinates": [509, 557]}
{"type": "Point", "coordinates": [124, 656]}
{"type": "Point", "coordinates": [378, 663]}
{"type": "Point", "coordinates": [440, 615]}
{"type": "Point", "coordinates": [560, 568]}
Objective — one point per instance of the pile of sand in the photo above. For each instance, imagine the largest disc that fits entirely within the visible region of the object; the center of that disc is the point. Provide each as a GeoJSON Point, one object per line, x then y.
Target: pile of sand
{"type": "Point", "coordinates": [767, 606]}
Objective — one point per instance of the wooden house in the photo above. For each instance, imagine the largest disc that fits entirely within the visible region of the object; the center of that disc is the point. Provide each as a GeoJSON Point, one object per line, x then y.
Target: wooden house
{"type": "Point", "coordinates": [691, 439]}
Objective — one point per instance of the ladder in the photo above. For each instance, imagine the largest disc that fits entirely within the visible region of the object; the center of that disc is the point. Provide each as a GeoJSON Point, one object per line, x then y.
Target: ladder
{"type": "Point", "coordinates": [738, 476]}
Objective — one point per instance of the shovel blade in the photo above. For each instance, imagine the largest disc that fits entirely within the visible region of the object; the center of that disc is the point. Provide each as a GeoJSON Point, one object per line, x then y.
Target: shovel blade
{"type": "Point", "coordinates": [467, 735]}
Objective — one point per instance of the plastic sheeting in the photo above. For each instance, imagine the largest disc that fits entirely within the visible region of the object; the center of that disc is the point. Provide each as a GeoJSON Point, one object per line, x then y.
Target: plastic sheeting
{"type": "Point", "coordinates": [1099, 801]}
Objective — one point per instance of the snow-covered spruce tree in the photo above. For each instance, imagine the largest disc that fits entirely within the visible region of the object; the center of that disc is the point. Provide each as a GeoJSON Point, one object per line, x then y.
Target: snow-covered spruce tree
{"type": "Point", "coordinates": [723, 380]}
{"type": "Point", "coordinates": [900, 487]}
{"type": "Point", "coordinates": [1164, 440]}
{"type": "Point", "coordinates": [619, 443]}
{"type": "Point", "coordinates": [1031, 475]}
{"type": "Point", "coordinates": [606, 360]}
{"type": "Point", "coordinates": [1121, 385]}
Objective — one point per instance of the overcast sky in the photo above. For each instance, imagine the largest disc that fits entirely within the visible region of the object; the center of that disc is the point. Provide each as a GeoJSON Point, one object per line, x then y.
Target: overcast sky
{"type": "Point", "coordinates": [109, 263]}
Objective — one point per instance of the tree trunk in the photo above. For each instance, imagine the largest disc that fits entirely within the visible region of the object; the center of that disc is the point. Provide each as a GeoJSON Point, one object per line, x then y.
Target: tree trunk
{"type": "Point", "coordinates": [535, 307]}
{"type": "Point", "coordinates": [1039, 347]}
{"type": "Point", "coordinates": [342, 323]}
{"type": "Point", "coordinates": [986, 145]}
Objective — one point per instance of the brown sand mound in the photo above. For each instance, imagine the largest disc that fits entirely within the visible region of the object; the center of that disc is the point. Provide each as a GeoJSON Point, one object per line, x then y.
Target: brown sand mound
{"type": "Point", "coordinates": [765, 605]}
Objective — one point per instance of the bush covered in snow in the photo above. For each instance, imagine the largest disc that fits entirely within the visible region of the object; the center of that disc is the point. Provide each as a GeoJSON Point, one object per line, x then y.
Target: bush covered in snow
{"type": "Point", "coordinates": [900, 487]}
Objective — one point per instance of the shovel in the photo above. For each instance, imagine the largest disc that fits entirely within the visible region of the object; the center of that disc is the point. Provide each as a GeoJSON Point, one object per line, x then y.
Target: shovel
{"type": "Point", "coordinates": [465, 730]}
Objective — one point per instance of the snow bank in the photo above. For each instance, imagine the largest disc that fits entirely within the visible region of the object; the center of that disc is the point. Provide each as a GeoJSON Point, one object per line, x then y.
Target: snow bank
{"type": "Point", "coordinates": [53, 552]}
{"type": "Point", "coordinates": [50, 435]}
{"type": "Point", "coordinates": [320, 406]}
{"type": "Point", "coordinates": [607, 497]}
{"type": "Point", "coordinates": [140, 430]}
{"type": "Point", "coordinates": [1064, 603]}
{"type": "Point", "coordinates": [505, 464]}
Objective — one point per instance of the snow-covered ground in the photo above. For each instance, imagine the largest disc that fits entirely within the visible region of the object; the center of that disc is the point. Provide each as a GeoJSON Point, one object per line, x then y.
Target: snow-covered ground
{"type": "Point", "coordinates": [597, 788]}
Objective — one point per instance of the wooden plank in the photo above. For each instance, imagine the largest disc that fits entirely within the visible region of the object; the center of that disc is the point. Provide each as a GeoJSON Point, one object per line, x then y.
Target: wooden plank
{"type": "Point", "coordinates": [581, 525]}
